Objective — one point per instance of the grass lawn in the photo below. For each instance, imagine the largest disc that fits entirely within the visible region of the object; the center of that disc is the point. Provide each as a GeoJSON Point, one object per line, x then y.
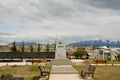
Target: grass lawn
{"type": "Point", "coordinates": [104, 72]}
{"type": "Point", "coordinates": [91, 61]}
{"type": "Point", "coordinates": [28, 72]}
{"type": "Point", "coordinates": [32, 72]}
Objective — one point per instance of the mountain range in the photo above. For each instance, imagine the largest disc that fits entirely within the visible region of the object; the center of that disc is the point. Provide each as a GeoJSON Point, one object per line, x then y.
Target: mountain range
{"type": "Point", "coordinates": [95, 43]}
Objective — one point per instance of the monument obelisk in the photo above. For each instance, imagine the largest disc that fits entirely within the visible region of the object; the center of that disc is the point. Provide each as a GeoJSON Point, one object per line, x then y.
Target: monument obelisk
{"type": "Point", "coordinates": [60, 52]}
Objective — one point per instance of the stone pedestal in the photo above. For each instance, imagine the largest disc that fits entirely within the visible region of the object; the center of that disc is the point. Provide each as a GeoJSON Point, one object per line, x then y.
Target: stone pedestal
{"type": "Point", "coordinates": [61, 62]}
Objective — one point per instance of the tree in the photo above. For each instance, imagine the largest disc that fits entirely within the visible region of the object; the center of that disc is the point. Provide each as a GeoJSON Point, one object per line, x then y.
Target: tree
{"type": "Point", "coordinates": [54, 46]}
{"type": "Point", "coordinates": [31, 48]}
{"type": "Point", "coordinates": [78, 48]}
{"type": "Point", "coordinates": [47, 47]}
{"type": "Point", "coordinates": [39, 47]}
{"type": "Point", "coordinates": [14, 46]}
{"type": "Point", "coordinates": [80, 53]}
{"type": "Point", "coordinates": [22, 48]}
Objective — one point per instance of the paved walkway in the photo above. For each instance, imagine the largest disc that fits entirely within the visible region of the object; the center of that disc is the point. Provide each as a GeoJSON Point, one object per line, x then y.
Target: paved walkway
{"type": "Point", "coordinates": [63, 69]}
{"type": "Point", "coordinates": [65, 72]}
{"type": "Point", "coordinates": [65, 77]}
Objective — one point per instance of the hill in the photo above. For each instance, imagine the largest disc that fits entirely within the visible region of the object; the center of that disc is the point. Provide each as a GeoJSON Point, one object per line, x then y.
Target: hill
{"type": "Point", "coordinates": [96, 43]}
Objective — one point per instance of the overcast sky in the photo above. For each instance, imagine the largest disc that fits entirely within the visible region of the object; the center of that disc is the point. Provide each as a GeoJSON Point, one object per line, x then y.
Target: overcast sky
{"type": "Point", "coordinates": [73, 20]}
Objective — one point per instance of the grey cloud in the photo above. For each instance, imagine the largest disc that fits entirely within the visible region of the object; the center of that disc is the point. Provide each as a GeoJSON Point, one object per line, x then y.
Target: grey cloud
{"type": "Point", "coordinates": [104, 4]}
{"type": "Point", "coordinates": [35, 11]}
{"type": "Point", "coordinates": [5, 38]}
{"type": "Point", "coordinates": [74, 38]}
{"type": "Point", "coordinates": [4, 41]}
{"type": "Point", "coordinates": [59, 10]}
{"type": "Point", "coordinates": [72, 19]}
{"type": "Point", "coordinates": [110, 4]}
{"type": "Point", "coordinates": [52, 9]}
{"type": "Point", "coordinates": [47, 27]}
{"type": "Point", "coordinates": [3, 33]}
{"type": "Point", "coordinates": [47, 9]}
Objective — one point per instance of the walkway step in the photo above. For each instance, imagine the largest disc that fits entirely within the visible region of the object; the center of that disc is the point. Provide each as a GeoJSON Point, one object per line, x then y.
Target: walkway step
{"type": "Point", "coordinates": [68, 77]}
{"type": "Point", "coordinates": [63, 69]}
{"type": "Point", "coordinates": [65, 77]}
{"type": "Point", "coordinates": [60, 62]}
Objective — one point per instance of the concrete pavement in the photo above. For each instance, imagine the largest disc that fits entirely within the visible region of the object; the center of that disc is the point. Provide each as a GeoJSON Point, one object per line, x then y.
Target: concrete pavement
{"type": "Point", "coordinates": [63, 69]}
{"type": "Point", "coordinates": [65, 77]}
{"type": "Point", "coordinates": [65, 72]}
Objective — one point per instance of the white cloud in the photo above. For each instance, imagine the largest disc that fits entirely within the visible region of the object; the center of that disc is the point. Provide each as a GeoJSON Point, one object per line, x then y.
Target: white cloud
{"type": "Point", "coordinates": [72, 19]}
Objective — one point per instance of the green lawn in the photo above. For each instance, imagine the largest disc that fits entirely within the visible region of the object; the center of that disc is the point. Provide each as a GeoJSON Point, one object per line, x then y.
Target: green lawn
{"type": "Point", "coordinates": [104, 72]}
{"type": "Point", "coordinates": [32, 72]}
{"type": "Point", "coordinates": [91, 61]}
{"type": "Point", "coordinates": [28, 72]}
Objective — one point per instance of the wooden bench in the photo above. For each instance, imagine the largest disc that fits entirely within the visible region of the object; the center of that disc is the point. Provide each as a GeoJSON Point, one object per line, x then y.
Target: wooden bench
{"type": "Point", "coordinates": [44, 71]}
{"type": "Point", "coordinates": [88, 71]}
{"type": "Point", "coordinates": [100, 61]}
{"type": "Point", "coordinates": [38, 61]}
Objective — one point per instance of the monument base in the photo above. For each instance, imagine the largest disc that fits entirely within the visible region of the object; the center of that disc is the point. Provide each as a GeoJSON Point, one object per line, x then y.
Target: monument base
{"type": "Point", "coordinates": [60, 53]}
{"type": "Point", "coordinates": [61, 62]}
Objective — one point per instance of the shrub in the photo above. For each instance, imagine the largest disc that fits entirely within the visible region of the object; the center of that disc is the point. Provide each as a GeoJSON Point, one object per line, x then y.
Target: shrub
{"type": "Point", "coordinates": [6, 77]}
{"type": "Point", "coordinates": [118, 56]}
{"type": "Point", "coordinates": [80, 53]}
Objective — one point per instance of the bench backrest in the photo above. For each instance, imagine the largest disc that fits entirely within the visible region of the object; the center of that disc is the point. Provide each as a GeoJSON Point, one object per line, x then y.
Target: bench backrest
{"type": "Point", "coordinates": [91, 68]}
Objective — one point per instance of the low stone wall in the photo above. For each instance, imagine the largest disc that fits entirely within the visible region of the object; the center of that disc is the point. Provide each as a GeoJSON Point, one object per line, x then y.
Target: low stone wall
{"type": "Point", "coordinates": [30, 55]}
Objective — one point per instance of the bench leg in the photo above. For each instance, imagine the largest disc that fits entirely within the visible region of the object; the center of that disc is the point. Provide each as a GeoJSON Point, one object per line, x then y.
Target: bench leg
{"type": "Point", "coordinates": [92, 75]}
{"type": "Point", "coordinates": [48, 75]}
{"type": "Point", "coordinates": [81, 73]}
{"type": "Point", "coordinates": [84, 76]}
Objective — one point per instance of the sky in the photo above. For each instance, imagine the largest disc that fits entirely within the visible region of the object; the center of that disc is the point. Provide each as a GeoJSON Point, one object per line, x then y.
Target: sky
{"type": "Point", "coordinates": [71, 20]}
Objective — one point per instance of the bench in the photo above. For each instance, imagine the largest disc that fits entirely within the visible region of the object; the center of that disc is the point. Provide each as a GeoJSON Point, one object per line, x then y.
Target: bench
{"type": "Point", "coordinates": [44, 71]}
{"type": "Point", "coordinates": [89, 70]}
{"type": "Point", "coordinates": [38, 61]}
{"type": "Point", "coordinates": [100, 61]}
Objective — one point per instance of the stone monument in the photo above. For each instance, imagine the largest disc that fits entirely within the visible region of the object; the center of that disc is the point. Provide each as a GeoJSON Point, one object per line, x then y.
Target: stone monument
{"type": "Point", "coordinates": [60, 52]}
